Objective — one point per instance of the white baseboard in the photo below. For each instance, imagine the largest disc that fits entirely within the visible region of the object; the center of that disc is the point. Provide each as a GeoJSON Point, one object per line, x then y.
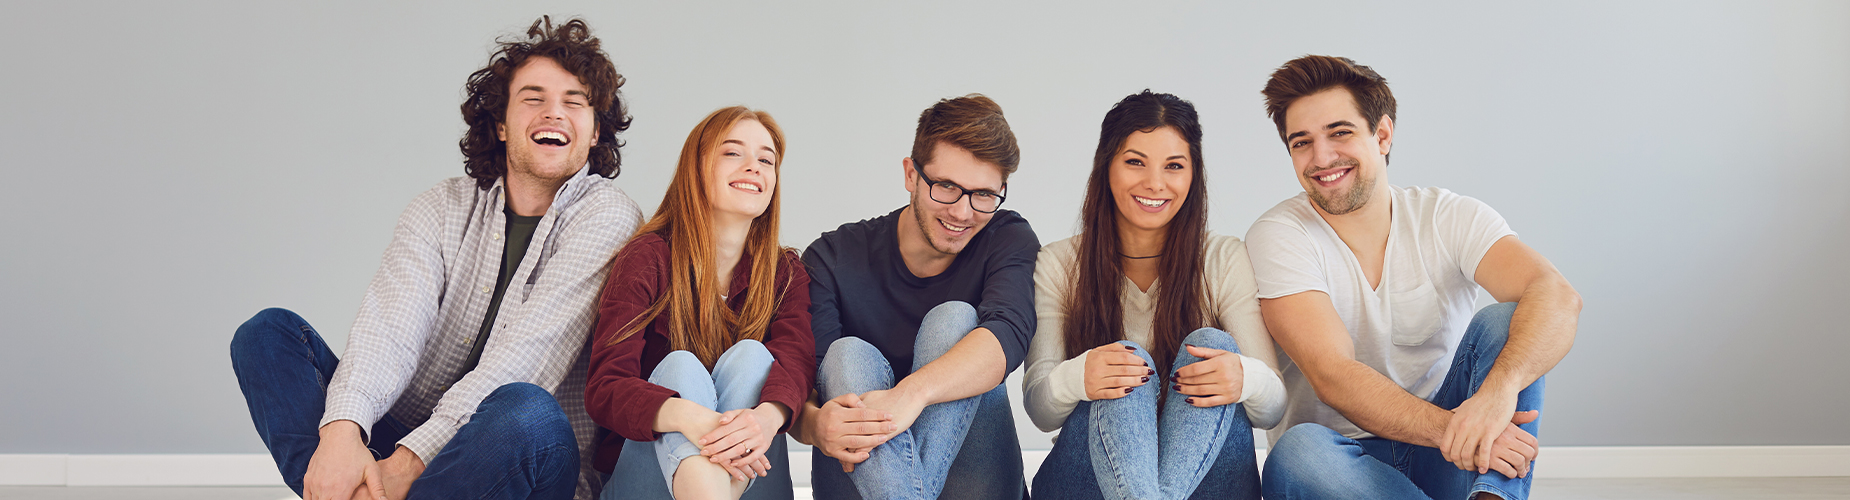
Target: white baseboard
{"type": "Point", "coordinates": [139, 470]}
{"type": "Point", "coordinates": [1554, 462]}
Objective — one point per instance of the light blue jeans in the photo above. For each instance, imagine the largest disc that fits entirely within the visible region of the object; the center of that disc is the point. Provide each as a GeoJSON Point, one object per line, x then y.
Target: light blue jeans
{"type": "Point", "coordinates": [1118, 448]}
{"type": "Point", "coordinates": [646, 470]}
{"type": "Point", "coordinates": [929, 459]}
{"type": "Point", "coordinates": [1312, 461]}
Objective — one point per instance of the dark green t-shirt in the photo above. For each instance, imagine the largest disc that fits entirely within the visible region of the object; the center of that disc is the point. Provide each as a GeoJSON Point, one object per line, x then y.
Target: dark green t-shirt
{"type": "Point", "coordinates": [519, 232]}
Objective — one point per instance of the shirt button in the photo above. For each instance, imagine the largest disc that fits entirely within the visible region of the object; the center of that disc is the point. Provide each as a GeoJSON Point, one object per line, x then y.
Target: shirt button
{"type": "Point", "coordinates": [486, 289]}
{"type": "Point", "coordinates": [443, 388]}
{"type": "Point", "coordinates": [496, 236]}
{"type": "Point", "coordinates": [468, 341]}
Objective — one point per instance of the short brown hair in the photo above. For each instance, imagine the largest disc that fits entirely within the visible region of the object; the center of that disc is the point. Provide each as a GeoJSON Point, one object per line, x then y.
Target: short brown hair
{"type": "Point", "coordinates": [572, 46]}
{"type": "Point", "coordinates": [971, 122]}
{"type": "Point", "coordinates": [1312, 74]}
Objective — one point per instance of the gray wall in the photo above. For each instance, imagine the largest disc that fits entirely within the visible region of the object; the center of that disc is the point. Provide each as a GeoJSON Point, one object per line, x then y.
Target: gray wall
{"type": "Point", "coordinates": [171, 168]}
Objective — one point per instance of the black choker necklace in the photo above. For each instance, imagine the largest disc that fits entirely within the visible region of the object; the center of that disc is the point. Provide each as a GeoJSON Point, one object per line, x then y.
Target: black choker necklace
{"type": "Point", "coordinates": [1140, 258]}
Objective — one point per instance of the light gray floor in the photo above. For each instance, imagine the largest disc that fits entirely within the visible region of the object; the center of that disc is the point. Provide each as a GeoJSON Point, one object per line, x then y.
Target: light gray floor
{"type": "Point", "coordinates": [1779, 488]}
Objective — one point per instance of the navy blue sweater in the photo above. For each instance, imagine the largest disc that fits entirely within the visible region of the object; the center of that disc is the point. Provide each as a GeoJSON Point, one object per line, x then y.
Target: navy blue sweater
{"type": "Point", "coordinates": [860, 287]}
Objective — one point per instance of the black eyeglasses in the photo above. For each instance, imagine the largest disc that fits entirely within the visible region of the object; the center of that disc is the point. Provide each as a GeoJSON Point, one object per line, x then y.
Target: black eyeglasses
{"type": "Point", "coordinates": [948, 192]}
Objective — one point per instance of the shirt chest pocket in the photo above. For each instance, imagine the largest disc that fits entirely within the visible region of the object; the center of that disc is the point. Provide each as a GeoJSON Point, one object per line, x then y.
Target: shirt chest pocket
{"type": "Point", "coordinates": [1416, 314]}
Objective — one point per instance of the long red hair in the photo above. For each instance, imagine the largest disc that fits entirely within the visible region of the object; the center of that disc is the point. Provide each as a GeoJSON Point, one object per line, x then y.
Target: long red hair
{"type": "Point", "coordinates": [698, 319]}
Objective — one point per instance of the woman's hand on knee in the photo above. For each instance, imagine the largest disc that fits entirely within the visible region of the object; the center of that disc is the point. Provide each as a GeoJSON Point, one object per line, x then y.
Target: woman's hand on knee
{"type": "Point", "coordinates": [1217, 380]}
{"type": "Point", "coordinates": [740, 441]}
{"type": "Point", "coordinates": [1113, 370]}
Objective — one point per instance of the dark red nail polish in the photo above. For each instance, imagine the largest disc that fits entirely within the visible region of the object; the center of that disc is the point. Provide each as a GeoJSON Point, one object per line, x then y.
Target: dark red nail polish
{"type": "Point", "coordinates": [1127, 390]}
{"type": "Point", "coordinates": [1189, 401]}
{"type": "Point", "coordinates": [1152, 371]}
{"type": "Point", "coordinates": [1146, 379]}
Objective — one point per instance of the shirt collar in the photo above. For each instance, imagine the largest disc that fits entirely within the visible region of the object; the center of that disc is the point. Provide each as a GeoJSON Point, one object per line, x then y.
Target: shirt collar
{"type": "Point", "coordinates": [568, 193]}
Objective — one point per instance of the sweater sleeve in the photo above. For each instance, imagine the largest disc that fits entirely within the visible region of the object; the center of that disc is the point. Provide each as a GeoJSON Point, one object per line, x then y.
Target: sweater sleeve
{"type": "Point", "coordinates": [1007, 308]}
{"type": "Point", "coordinates": [1237, 304]}
{"type": "Point", "coordinates": [1053, 384]}
{"type": "Point", "coordinates": [792, 345]}
{"type": "Point", "coordinates": [618, 396]}
{"type": "Point", "coordinates": [824, 317]}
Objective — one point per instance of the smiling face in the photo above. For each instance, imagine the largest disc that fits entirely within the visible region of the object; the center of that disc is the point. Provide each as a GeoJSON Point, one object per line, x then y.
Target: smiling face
{"type": "Point", "coordinates": [1150, 178]}
{"type": "Point", "coordinates": [550, 126]}
{"type": "Point", "coordinates": [949, 226]}
{"type": "Point", "coordinates": [1337, 159]}
{"type": "Point", "coordinates": [741, 172]}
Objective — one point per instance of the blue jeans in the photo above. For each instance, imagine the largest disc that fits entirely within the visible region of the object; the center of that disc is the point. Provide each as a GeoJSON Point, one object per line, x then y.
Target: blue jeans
{"type": "Point", "coordinates": [519, 444]}
{"type": "Point", "coordinates": [929, 459]}
{"type": "Point", "coordinates": [1312, 461]}
{"type": "Point", "coordinates": [1118, 448]}
{"type": "Point", "coordinates": [736, 382]}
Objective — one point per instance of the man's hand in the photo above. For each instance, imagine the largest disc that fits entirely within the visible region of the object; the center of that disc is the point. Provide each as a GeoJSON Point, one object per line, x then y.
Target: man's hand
{"type": "Point", "coordinates": [739, 443]}
{"type": "Point", "coordinates": [1112, 370]}
{"type": "Point", "coordinates": [1515, 448]}
{"type": "Point", "coordinates": [1474, 427]}
{"type": "Point", "coordinates": [399, 471]}
{"type": "Point", "coordinates": [1217, 380]}
{"type": "Point", "coordinates": [846, 429]}
{"type": "Point", "coordinates": [902, 404]}
{"type": "Point", "coordinates": [342, 466]}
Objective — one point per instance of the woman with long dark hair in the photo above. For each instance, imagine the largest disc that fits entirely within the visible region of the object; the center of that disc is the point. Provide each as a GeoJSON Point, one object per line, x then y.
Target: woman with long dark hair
{"type": "Point", "coordinates": [702, 353]}
{"type": "Point", "coordinates": [1150, 355]}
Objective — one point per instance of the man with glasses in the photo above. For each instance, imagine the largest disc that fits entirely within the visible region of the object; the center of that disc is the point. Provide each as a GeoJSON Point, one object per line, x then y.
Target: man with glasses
{"type": "Point", "coordinates": [919, 315]}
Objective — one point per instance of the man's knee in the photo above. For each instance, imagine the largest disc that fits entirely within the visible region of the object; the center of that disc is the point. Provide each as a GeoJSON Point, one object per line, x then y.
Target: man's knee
{"type": "Point", "coordinates": [268, 325]}
{"type": "Point", "coordinates": [852, 366]}
{"type": "Point", "coordinates": [847, 355]}
{"type": "Point", "coordinates": [1301, 443]}
{"type": "Point", "coordinates": [943, 327]}
{"type": "Point", "coordinates": [1212, 338]}
{"type": "Point", "coordinates": [1301, 453]}
{"type": "Point", "coordinates": [1494, 319]}
{"type": "Point", "coordinates": [528, 412]}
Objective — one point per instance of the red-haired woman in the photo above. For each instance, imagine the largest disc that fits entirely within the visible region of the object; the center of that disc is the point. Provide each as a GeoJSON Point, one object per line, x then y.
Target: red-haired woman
{"type": "Point", "coordinates": [702, 351]}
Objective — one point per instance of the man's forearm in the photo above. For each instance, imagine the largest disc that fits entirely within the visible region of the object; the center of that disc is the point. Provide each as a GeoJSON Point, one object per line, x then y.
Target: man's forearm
{"type": "Point", "coordinates": [1379, 406]}
{"type": "Point", "coordinates": [973, 366]}
{"type": "Point", "coordinates": [1541, 333]}
{"type": "Point", "coordinates": [799, 430]}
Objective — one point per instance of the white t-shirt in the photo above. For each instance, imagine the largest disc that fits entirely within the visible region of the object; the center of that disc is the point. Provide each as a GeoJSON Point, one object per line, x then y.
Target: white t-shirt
{"type": "Point", "coordinates": [1410, 325]}
{"type": "Point", "coordinates": [1055, 384]}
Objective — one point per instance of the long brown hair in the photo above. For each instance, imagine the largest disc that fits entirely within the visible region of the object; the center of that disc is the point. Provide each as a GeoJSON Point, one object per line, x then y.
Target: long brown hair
{"type": "Point", "coordinates": [697, 318]}
{"type": "Point", "coordinates": [1095, 313]}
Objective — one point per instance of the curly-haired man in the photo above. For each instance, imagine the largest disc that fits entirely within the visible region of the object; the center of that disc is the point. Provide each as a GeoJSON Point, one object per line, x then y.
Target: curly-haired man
{"type": "Point", "coordinates": [464, 373]}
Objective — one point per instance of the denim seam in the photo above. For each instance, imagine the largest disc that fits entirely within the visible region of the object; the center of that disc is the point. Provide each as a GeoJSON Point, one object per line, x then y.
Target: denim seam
{"type": "Point", "coordinates": [1109, 447]}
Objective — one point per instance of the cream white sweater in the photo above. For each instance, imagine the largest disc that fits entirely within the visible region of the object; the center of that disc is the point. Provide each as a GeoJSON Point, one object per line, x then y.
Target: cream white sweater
{"type": "Point", "coordinates": [1056, 384]}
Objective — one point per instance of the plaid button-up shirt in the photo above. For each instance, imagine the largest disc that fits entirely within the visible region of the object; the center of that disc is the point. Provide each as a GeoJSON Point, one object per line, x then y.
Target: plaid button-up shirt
{"type": "Point", "coordinates": [424, 310]}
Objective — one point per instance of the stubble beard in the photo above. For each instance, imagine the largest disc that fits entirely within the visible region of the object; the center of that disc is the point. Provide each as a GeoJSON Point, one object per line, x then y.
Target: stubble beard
{"type": "Point", "coordinates": [1343, 203]}
{"type": "Point", "coordinates": [521, 162]}
{"type": "Point", "coordinates": [918, 215]}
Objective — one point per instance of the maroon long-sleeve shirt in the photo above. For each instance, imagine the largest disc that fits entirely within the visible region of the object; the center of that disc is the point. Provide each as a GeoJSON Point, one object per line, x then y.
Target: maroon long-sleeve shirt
{"type": "Point", "coordinates": [618, 394]}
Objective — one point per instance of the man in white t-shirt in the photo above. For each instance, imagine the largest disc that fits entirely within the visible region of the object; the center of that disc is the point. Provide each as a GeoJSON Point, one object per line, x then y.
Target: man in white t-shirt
{"type": "Point", "coordinates": [1395, 388]}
